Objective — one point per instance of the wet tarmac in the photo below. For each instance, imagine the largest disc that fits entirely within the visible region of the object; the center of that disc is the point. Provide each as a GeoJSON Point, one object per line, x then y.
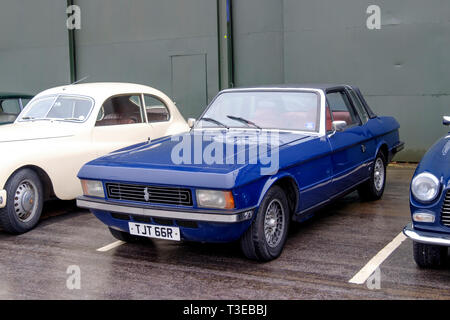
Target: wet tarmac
{"type": "Point", "coordinates": [319, 259]}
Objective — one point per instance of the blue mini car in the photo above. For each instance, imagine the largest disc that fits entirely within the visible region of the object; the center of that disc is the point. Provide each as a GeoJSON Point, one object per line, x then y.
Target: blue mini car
{"type": "Point", "coordinates": [430, 206]}
{"type": "Point", "coordinates": [256, 159]}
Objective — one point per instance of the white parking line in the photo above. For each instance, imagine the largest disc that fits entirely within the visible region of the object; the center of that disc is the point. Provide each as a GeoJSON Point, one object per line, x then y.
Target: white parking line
{"type": "Point", "coordinates": [377, 260]}
{"type": "Point", "coordinates": [111, 246]}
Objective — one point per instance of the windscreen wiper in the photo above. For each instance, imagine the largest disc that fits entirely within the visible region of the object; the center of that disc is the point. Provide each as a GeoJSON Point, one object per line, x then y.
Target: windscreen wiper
{"type": "Point", "coordinates": [214, 121]}
{"type": "Point", "coordinates": [27, 118]}
{"type": "Point", "coordinates": [247, 122]}
{"type": "Point", "coordinates": [70, 119]}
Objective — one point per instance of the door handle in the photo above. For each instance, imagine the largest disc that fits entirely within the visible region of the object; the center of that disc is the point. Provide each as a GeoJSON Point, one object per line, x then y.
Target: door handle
{"type": "Point", "coordinates": [363, 148]}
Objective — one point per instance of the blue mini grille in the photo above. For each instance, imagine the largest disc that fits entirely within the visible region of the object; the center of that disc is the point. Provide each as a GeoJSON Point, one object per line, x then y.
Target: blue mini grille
{"type": "Point", "coordinates": [445, 213]}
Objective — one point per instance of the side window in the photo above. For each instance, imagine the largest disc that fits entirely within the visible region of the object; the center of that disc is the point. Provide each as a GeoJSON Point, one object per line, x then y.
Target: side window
{"type": "Point", "coordinates": [359, 107]}
{"type": "Point", "coordinates": [10, 106]}
{"type": "Point", "coordinates": [25, 102]}
{"type": "Point", "coordinates": [341, 109]}
{"type": "Point", "coordinates": [126, 109]}
{"type": "Point", "coordinates": [156, 109]}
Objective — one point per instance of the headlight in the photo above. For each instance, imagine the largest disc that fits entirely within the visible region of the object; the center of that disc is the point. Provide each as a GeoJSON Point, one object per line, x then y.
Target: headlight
{"type": "Point", "coordinates": [93, 188]}
{"type": "Point", "coordinates": [215, 199]}
{"type": "Point", "coordinates": [425, 187]}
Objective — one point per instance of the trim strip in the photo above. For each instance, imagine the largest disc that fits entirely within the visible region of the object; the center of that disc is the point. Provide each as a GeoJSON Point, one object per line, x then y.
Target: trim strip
{"type": "Point", "coordinates": [102, 205]}
{"type": "Point", "coordinates": [330, 199]}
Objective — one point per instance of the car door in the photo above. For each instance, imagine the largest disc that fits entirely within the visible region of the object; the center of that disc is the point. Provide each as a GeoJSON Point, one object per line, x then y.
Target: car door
{"type": "Point", "coordinates": [348, 146]}
{"type": "Point", "coordinates": [157, 114]}
{"type": "Point", "coordinates": [121, 122]}
{"type": "Point", "coordinates": [369, 144]}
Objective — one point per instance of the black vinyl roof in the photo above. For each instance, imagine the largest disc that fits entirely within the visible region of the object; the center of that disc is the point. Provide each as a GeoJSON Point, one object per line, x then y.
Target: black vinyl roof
{"type": "Point", "coordinates": [320, 86]}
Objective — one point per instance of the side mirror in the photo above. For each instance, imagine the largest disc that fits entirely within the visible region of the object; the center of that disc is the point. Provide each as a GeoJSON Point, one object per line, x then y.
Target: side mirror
{"type": "Point", "coordinates": [446, 120]}
{"type": "Point", "coordinates": [191, 122]}
{"type": "Point", "coordinates": [339, 125]}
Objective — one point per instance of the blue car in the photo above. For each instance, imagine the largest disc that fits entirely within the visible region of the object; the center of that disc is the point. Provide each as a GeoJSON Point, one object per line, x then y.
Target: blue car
{"type": "Point", "coordinates": [430, 206]}
{"type": "Point", "coordinates": [256, 159]}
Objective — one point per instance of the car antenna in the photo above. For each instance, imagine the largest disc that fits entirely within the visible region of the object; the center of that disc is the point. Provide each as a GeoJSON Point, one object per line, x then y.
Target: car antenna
{"type": "Point", "coordinates": [80, 80]}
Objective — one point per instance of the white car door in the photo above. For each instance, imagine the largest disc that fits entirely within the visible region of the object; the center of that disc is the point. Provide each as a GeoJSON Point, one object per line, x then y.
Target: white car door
{"type": "Point", "coordinates": [121, 122]}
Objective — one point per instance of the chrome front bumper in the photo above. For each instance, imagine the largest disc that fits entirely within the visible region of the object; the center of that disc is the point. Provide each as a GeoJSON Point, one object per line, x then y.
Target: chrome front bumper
{"type": "Point", "coordinates": [3, 198]}
{"type": "Point", "coordinates": [209, 216]}
{"type": "Point", "coordinates": [427, 237]}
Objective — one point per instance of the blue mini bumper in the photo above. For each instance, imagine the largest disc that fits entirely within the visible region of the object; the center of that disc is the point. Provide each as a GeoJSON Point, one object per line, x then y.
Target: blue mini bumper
{"type": "Point", "coordinates": [201, 226]}
{"type": "Point", "coordinates": [427, 237]}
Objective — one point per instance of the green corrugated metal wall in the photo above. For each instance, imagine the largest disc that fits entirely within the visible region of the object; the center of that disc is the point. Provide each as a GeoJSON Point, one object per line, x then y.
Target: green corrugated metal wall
{"type": "Point", "coordinates": [173, 45]}
{"type": "Point", "coordinates": [403, 69]}
{"type": "Point", "coordinates": [33, 45]}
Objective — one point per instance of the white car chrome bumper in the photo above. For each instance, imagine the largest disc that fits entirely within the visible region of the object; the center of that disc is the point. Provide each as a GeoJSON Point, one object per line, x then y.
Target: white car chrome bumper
{"type": "Point", "coordinates": [3, 198]}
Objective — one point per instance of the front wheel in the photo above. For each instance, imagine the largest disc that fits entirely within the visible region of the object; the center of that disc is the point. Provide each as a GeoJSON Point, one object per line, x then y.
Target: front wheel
{"type": "Point", "coordinates": [373, 188]}
{"type": "Point", "coordinates": [25, 198]}
{"type": "Point", "coordinates": [429, 256]}
{"type": "Point", "coordinates": [265, 238]}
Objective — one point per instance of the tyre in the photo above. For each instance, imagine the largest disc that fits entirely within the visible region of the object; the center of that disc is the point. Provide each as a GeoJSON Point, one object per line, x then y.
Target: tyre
{"type": "Point", "coordinates": [265, 238]}
{"type": "Point", "coordinates": [429, 256]}
{"type": "Point", "coordinates": [373, 188]}
{"type": "Point", "coordinates": [25, 199]}
{"type": "Point", "coordinates": [123, 236]}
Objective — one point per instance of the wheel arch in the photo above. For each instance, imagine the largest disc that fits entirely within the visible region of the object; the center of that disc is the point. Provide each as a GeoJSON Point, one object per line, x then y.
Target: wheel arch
{"type": "Point", "coordinates": [289, 185]}
{"type": "Point", "coordinates": [47, 183]}
{"type": "Point", "coordinates": [383, 147]}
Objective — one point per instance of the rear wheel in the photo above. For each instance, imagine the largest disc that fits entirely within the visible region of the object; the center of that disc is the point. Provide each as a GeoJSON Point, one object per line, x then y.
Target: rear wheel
{"type": "Point", "coordinates": [373, 188]}
{"type": "Point", "coordinates": [429, 256]}
{"type": "Point", "coordinates": [265, 238]}
{"type": "Point", "coordinates": [25, 199]}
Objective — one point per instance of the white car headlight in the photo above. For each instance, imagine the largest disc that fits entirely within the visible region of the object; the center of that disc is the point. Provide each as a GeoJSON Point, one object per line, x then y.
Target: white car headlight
{"type": "Point", "coordinates": [425, 187]}
{"type": "Point", "coordinates": [93, 188]}
{"type": "Point", "coordinates": [215, 199]}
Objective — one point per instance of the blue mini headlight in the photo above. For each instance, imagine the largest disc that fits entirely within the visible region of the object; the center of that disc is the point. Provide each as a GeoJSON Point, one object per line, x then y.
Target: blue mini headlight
{"type": "Point", "coordinates": [425, 187]}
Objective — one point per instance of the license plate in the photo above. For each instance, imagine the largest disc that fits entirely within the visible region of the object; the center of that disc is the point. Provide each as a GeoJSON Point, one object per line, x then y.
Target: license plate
{"type": "Point", "coordinates": [154, 231]}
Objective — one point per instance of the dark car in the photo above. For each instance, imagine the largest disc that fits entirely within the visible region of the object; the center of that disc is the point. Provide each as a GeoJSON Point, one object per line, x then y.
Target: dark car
{"type": "Point", "coordinates": [255, 160]}
{"type": "Point", "coordinates": [430, 205]}
{"type": "Point", "coordinates": [11, 104]}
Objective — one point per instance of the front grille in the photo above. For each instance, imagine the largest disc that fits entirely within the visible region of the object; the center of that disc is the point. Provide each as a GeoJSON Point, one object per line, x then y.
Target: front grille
{"type": "Point", "coordinates": [120, 216]}
{"type": "Point", "coordinates": [163, 221]}
{"type": "Point", "coordinates": [142, 219]}
{"type": "Point", "coordinates": [149, 194]}
{"type": "Point", "coordinates": [445, 213]}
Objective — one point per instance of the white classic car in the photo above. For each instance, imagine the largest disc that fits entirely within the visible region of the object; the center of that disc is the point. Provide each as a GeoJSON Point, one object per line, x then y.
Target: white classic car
{"type": "Point", "coordinates": [63, 128]}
